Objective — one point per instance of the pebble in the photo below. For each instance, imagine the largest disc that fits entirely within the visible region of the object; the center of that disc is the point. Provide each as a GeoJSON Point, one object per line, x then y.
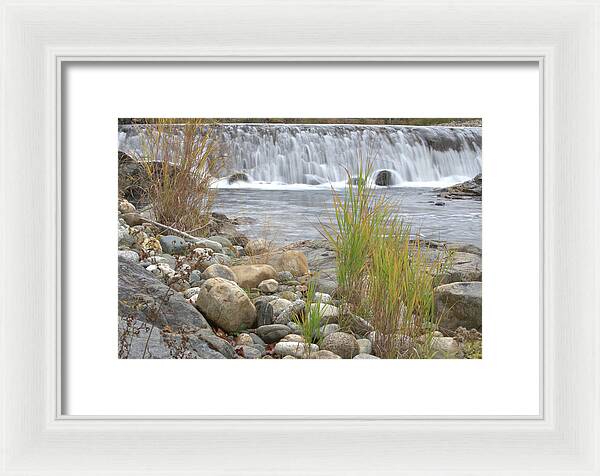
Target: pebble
{"type": "Point", "coordinates": [268, 286]}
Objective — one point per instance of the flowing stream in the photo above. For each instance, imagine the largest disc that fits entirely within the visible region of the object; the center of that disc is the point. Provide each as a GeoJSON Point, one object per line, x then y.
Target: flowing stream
{"type": "Point", "coordinates": [288, 171]}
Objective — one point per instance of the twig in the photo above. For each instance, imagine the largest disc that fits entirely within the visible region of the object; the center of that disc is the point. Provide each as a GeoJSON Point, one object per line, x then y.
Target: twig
{"type": "Point", "coordinates": [175, 230]}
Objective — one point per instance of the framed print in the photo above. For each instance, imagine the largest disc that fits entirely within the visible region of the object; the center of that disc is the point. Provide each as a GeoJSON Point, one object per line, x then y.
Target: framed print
{"type": "Point", "coordinates": [239, 233]}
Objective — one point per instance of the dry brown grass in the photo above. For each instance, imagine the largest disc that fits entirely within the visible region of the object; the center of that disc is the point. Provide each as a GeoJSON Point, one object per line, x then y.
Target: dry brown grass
{"type": "Point", "coordinates": [181, 161]}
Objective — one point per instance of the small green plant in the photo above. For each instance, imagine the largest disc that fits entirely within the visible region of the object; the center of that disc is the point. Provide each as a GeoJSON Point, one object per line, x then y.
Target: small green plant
{"type": "Point", "coordinates": [311, 320]}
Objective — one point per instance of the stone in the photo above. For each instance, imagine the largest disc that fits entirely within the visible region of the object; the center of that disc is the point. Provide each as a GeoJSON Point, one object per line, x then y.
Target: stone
{"type": "Point", "coordinates": [222, 258]}
{"type": "Point", "coordinates": [294, 349]}
{"type": "Point", "coordinates": [329, 329]}
{"type": "Point", "coordinates": [322, 298]}
{"type": "Point", "coordinates": [324, 354]}
{"type": "Point", "coordinates": [125, 239]}
{"type": "Point", "coordinates": [226, 305]}
{"type": "Point", "coordinates": [248, 352]}
{"type": "Point", "coordinates": [295, 310]}
{"type": "Point", "coordinates": [189, 292]}
{"type": "Point", "coordinates": [129, 256]}
{"type": "Point", "coordinates": [237, 177]}
{"type": "Point", "coordinates": [458, 305]}
{"type": "Point", "coordinates": [125, 206]}
{"type": "Point", "coordinates": [264, 313]}
{"type": "Point", "coordinates": [196, 278]}
{"type": "Point", "coordinates": [293, 338]}
{"type": "Point", "coordinates": [244, 339]}
{"type": "Point", "coordinates": [364, 346]}
{"type": "Point", "coordinates": [204, 243]}
{"type": "Point", "coordinates": [445, 348]}
{"type": "Point", "coordinates": [218, 271]}
{"type": "Point", "coordinates": [216, 343]}
{"type": "Point", "coordinates": [133, 219]}
{"type": "Point", "coordinates": [289, 357]}
{"type": "Point", "coordinates": [327, 312]}
{"type": "Point", "coordinates": [272, 333]}
{"type": "Point", "coordinates": [222, 240]}
{"type": "Point", "coordinates": [149, 342]}
{"type": "Point", "coordinates": [146, 298]}
{"type": "Point", "coordinates": [469, 189]}
{"type": "Point", "coordinates": [342, 344]}
{"type": "Point", "coordinates": [283, 276]}
{"type": "Point", "coordinates": [365, 356]}
{"type": "Point", "coordinates": [257, 340]}
{"type": "Point", "coordinates": [384, 178]}
{"type": "Point", "coordinates": [251, 275]}
{"type": "Point", "coordinates": [173, 245]}
{"type": "Point", "coordinates": [295, 328]}
{"type": "Point", "coordinates": [280, 305]}
{"type": "Point", "coordinates": [291, 260]}
{"type": "Point", "coordinates": [257, 247]}
{"type": "Point", "coordinates": [289, 295]}
{"type": "Point", "coordinates": [268, 286]}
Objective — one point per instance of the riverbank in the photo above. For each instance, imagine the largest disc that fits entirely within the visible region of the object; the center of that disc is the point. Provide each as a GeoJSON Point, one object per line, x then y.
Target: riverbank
{"type": "Point", "coordinates": [227, 296]}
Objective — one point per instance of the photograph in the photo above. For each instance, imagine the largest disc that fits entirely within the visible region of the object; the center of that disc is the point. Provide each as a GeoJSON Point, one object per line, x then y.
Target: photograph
{"type": "Point", "coordinates": [299, 238]}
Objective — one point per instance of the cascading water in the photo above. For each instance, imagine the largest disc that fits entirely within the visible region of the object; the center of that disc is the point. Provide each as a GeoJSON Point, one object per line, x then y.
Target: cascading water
{"type": "Point", "coordinates": [281, 154]}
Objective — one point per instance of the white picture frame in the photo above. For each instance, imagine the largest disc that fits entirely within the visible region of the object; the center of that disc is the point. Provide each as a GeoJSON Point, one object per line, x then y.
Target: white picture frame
{"type": "Point", "coordinates": [39, 37]}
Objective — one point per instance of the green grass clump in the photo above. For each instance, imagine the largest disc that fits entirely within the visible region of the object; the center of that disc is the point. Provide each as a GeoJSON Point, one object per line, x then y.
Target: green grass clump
{"type": "Point", "coordinates": [310, 321]}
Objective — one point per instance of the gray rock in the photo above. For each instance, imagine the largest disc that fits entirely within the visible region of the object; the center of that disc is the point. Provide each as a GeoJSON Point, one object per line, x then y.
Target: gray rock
{"type": "Point", "coordinates": [125, 239]}
{"type": "Point", "coordinates": [218, 271]}
{"type": "Point", "coordinates": [222, 258]}
{"type": "Point", "coordinates": [196, 279]}
{"type": "Point", "coordinates": [364, 346]}
{"type": "Point", "coordinates": [284, 276]}
{"type": "Point", "coordinates": [294, 349]}
{"type": "Point", "coordinates": [264, 313]}
{"type": "Point", "coordinates": [295, 328]}
{"type": "Point", "coordinates": [280, 305]}
{"type": "Point", "coordinates": [173, 245]}
{"type": "Point", "coordinates": [216, 343]}
{"type": "Point", "coordinates": [129, 256]}
{"type": "Point", "coordinates": [329, 329]}
{"type": "Point", "coordinates": [365, 356]}
{"type": "Point", "coordinates": [445, 348]}
{"type": "Point", "coordinates": [204, 243]}
{"type": "Point", "coordinates": [323, 297]}
{"type": "Point", "coordinates": [145, 297]}
{"type": "Point", "coordinates": [324, 354]}
{"type": "Point", "coordinates": [226, 305]}
{"type": "Point", "coordinates": [249, 352]}
{"type": "Point", "coordinates": [272, 333]}
{"type": "Point", "coordinates": [188, 293]}
{"type": "Point", "coordinates": [268, 286]}
{"type": "Point", "coordinates": [458, 305]}
{"type": "Point", "coordinates": [148, 342]}
{"type": "Point", "coordinates": [342, 344]}
{"type": "Point", "coordinates": [257, 340]}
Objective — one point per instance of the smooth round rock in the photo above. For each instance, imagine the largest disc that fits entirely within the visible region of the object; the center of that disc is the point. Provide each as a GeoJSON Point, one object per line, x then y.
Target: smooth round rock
{"type": "Point", "coordinates": [342, 344]}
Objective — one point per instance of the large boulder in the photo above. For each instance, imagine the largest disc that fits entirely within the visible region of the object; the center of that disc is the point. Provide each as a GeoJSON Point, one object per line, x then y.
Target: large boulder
{"type": "Point", "coordinates": [226, 305]}
{"type": "Point", "coordinates": [458, 305]}
{"type": "Point", "coordinates": [290, 260]}
{"type": "Point", "coordinates": [251, 275]}
{"type": "Point", "coordinates": [469, 189]}
{"type": "Point", "coordinates": [140, 340]}
{"type": "Point", "coordinates": [145, 297]}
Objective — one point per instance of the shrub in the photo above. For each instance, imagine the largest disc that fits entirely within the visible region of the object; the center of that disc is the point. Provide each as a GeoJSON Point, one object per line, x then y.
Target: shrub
{"type": "Point", "coordinates": [180, 161]}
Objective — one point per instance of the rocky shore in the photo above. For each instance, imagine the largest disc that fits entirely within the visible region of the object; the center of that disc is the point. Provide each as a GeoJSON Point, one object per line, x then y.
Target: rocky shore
{"type": "Point", "coordinates": [225, 296]}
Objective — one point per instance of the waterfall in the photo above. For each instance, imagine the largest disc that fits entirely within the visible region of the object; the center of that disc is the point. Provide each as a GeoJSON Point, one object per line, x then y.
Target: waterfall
{"type": "Point", "coordinates": [320, 154]}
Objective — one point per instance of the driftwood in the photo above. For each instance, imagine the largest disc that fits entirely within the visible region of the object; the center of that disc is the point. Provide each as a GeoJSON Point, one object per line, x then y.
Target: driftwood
{"type": "Point", "coordinates": [175, 230]}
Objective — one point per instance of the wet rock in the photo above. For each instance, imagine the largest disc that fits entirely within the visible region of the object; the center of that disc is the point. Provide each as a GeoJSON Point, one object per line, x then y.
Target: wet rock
{"type": "Point", "coordinates": [251, 275]}
{"type": "Point", "coordinates": [341, 344]}
{"type": "Point", "coordinates": [458, 305]}
{"type": "Point", "coordinates": [145, 297]}
{"type": "Point", "coordinates": [384, 178]}
{"type": "Point", "coordinates": [469, 189]}
{"type": "Point", "coordinates": [237, 177]}
{"type": "Point", "coordinates": [226, 305]}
